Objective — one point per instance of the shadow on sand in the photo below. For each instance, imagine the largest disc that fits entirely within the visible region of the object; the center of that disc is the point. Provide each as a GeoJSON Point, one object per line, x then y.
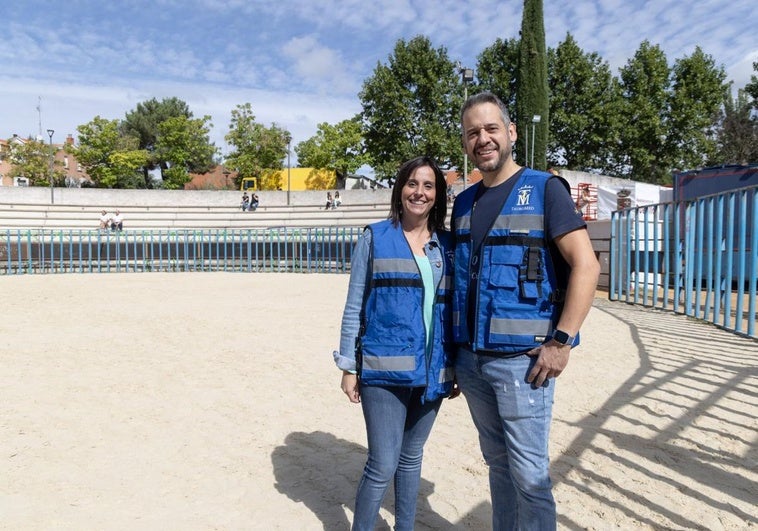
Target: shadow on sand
{"type": "Point", "coordinates": [326, 485]}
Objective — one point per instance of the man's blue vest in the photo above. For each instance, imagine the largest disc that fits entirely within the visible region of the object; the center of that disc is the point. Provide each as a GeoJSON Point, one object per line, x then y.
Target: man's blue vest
{"type": "Point", "coordinates": [392, 346]}
{"type": "Point", "coordinates": [517, 298]}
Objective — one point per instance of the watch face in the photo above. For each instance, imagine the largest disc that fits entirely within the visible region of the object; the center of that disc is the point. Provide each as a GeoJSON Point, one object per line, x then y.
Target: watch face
{"type": "Point", "coordinates": [561, 337]}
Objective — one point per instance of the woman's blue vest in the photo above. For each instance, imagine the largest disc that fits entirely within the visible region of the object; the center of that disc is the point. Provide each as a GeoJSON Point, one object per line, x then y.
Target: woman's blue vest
{"type": "Point", "coordinates": [392, 339]}
{"type": "Point", "coordinates": [516, 296]}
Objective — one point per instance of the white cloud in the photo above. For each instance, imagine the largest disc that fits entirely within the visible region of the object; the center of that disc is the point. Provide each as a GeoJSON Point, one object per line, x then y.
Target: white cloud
{"type": "Point", "coordinates": [742, 70]}
{"type": "Point", "coordinates": [319, 65]}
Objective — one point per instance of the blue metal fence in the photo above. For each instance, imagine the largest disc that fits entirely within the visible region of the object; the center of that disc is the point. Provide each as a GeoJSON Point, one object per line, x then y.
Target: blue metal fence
{"type": "Point", "coordinates": [311, 250]}
{"type": "Point", "coordinates": [698, 257]}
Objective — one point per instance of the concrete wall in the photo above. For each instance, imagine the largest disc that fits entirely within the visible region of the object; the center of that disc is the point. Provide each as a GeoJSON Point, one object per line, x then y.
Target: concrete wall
{"type": "Point", "coordinates": [574, 178]}
{"type": "Point", "coordinates": [600, 234]}
{"type": "Point", "coordinates": [110, 199]}
{"type": "Point", "coordinates": [106, 198]}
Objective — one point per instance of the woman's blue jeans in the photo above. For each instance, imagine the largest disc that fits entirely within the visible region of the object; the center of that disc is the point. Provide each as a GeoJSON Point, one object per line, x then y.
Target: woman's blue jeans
{"type": "Point", "coordinates": [397, 427]}
{"type": "Point", "coordinates": [513, 421]}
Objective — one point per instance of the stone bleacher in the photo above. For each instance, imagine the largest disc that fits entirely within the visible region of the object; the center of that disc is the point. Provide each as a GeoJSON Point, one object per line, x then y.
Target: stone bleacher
{"type": "Point", "coordinates": [85, 217]}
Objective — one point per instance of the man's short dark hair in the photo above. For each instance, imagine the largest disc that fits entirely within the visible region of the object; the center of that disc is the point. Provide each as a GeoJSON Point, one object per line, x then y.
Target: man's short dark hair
{"type": "Point", "coordinates": [486, 97]}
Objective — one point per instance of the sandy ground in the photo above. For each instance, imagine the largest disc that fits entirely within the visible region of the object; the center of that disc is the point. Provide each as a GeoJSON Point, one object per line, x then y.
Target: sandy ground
{"type": "Point", "coordinates": [210, 401]}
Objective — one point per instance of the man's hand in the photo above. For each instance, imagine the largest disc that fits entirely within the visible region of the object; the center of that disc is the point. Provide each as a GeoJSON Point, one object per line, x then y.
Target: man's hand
{"type": "Point", "coordinates": [552, 358]}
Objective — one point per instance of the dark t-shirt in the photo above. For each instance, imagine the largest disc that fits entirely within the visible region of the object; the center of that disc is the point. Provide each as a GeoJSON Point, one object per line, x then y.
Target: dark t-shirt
{"type": "Point", "coordinates": [561, 216]}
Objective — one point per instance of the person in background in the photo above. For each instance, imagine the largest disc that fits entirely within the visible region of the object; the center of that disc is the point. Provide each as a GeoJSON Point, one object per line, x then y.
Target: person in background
{"type": "Point", "coordinates": [117, 221]}
{"type": "Point", "coordinates": [105, 220]}
{"type": "Point", "coordinates": [524, 282]}
{"type": "Point", "coordinates": [450, 194]}
{"type": "Point", "coordinates": [329, 201]}
{"type": "Point", "coordinates": [584, 198]}
{"type": "Point", "coordinates": [245, 204]}
{"type": "Point", "coordinates": [254, 202]}
{"type": "Point", "coordinates": [395, 345]}
{"type": "Point", "coordinates": [337, 200]}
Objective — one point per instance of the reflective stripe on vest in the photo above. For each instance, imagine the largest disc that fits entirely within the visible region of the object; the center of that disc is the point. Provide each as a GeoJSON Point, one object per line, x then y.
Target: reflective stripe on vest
{"type": "Point", "coordinates": [389, 363]}
{"type": "Point", "coordinates": [506, 222]}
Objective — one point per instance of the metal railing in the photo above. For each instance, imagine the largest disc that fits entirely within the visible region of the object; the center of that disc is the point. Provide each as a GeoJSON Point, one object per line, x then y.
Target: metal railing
{"type": "Point", "coordinates": [306, 250]}
{"type": "Point", "coordinates": [698, 257]}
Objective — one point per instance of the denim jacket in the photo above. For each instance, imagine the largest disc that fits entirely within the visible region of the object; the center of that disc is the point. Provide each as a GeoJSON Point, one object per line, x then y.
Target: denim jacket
{"type": "Point", "coordinates": [345, 357]}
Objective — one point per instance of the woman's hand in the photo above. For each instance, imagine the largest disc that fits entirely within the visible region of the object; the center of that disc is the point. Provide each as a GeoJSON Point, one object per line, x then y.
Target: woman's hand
{"type": "Point", "coordinates": [350, 387]}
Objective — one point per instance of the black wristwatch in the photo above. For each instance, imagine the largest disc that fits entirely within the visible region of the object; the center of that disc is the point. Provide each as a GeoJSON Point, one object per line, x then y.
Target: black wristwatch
{"type": "Point", "coordinates": [562, 337]}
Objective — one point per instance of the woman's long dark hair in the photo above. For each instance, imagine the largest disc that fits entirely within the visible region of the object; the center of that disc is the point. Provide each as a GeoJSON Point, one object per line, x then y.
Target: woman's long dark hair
{"type": "Point", "coordinates": [438, 214]}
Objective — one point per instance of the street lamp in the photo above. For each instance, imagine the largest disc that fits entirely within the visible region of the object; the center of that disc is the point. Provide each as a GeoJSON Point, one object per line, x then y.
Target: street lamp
{"type": "Point", "coordinates": [50, 134]}
{"type": "Point", "coordinates": [535, 120]}
{"type": "Point", "coordinates": [289, 141]}
{"type": "Point", "coordinates": [467, 76]}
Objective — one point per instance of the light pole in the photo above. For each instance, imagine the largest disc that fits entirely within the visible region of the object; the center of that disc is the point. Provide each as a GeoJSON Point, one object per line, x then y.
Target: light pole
{"type": "Point", "coordinates": [535, 120]}
{"type": "Point", "coordinates": [50, 134]}
{"type": "Point", "coordinates": [526, 148]}
{"type": "Point", "coordinates": [467, 76]}
{"type": "Point", "coordinates": [289, 141]}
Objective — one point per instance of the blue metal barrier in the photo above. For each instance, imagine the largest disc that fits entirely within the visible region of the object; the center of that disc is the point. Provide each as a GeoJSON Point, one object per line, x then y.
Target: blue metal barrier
{"type": "Point", "coordinates": [698, 257]}
{"type": "Point", "coordinates": [311, 250]}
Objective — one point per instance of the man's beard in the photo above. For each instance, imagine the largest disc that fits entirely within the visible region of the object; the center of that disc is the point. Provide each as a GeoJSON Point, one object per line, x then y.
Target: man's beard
{"type": "Point", "coordinates": [493, 166]}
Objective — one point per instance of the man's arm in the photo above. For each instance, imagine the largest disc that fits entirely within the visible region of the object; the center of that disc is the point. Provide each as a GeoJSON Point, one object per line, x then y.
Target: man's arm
{"type": "Point", "coordinates": [576, 249]}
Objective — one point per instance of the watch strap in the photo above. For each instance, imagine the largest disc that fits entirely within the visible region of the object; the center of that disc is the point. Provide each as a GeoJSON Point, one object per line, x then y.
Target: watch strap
{"type": "Point", "coordinates": [562, 337]}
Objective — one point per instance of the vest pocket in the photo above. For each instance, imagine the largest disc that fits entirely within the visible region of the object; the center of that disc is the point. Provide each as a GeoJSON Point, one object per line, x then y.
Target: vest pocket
{"type": "Point", "coordinates": [505, 263]}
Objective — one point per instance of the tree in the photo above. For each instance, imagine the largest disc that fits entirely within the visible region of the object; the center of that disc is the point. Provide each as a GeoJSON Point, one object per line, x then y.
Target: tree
{"type": "Point", "coordinates": [697, 93]}
{"type": "Point", "coordinates": [110, 159]}
{"type": "Point", "coordinates": [144, 123]}
{"type": "Point", "coordinates": [334, 147]}
{"type": "Point", "coordinates": [532, 92]}
{"type": "Point", "coordinates": [644, 84]}
{"type": "Point", "coordinates": [258, 151]}
{"type": "Point", "coordinates": [752, 88]}
{"type": "Point", "coordinates": [31, 159]}
{"type": "Point", "coordinates": [737, 134]}
{"type": "Point", "coordinates": [183, 144]}
{"type": "Point", "coordinates": [585, 102]}
{"type": "Point", "coordinates": [496, 72]}
{"type": "Point", "coordinates": [411, 106]}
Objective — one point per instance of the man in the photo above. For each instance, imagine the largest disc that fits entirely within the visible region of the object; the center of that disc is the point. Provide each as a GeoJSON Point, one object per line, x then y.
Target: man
{"type": "Point", "coordinates": [117, 221]}
{"type": "Point", "coordinates": [525, 277]}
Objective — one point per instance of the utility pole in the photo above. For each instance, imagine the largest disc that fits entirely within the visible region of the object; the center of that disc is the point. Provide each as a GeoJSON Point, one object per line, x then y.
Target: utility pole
{"type": "Point", "coordinates": [50, 134]}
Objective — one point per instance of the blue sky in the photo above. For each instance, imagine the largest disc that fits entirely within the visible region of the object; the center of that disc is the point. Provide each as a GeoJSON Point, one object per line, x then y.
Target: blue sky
{"type": "Point", "coordinates": [301, 62]}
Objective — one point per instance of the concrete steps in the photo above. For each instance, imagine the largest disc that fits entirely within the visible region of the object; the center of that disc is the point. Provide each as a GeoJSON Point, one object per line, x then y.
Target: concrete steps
{"type": "Point", "coordinates": [74, 217]}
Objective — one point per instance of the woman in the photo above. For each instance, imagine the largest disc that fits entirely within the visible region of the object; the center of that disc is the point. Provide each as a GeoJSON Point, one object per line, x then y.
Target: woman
{"type": "Point", "coordinates": [395, 345]}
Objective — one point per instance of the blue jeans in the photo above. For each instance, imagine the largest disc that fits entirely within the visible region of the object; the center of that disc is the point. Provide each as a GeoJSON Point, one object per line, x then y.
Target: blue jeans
{"type": "Point", "coordinates": [397, 426]}
{"type": "Point", "coordinates": [513, 421]}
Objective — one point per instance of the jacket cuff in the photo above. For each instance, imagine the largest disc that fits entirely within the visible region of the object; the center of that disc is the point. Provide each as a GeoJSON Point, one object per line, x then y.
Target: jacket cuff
{"type": "Point", "coordinates": [343, 362]}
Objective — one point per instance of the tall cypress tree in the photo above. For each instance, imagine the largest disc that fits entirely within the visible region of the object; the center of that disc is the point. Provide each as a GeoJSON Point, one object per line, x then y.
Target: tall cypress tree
{"type": "Point", "coordinates": [532, 88]}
